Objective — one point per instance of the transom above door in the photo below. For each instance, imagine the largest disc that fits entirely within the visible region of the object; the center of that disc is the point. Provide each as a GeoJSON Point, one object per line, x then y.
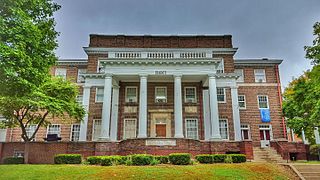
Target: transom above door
{"type": "Point", "coordinates": [160, 125]}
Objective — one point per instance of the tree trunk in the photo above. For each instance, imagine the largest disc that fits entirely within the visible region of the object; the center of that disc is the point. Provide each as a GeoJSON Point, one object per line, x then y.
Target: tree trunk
{"type": "Point", "coordinates": [26, 152]}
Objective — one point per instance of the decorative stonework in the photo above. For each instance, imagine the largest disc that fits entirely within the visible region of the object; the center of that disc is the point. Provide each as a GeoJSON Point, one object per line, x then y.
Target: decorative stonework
{"type": "Point", "coordinates": [161, 142]}
{"type": "Point", "coordinates": [191, 109]}
{"type": "Point", "coordinates": [130, 109]}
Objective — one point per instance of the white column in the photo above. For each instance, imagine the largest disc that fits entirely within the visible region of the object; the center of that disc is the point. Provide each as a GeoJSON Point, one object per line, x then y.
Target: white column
{"type": "Point", "coordinates": [84, 122]}
{"type": "Point", "coordinates": [214, 112]}
{"type": "Point", "coordinates": [316, 135]}
{"type": "Point", "coordinates": [106, 108]}
{"type": "Point", "coordinates": [304, 139]}
{"type": "Point", "coordinates": [206, 114]}
{"type": "Point", "coordinates": [236, 113]}
{"type": "Point", "coordinates": [114, 113]}
{"type": "Point", "coordinates": [142, 133]}
{"type": "Point", "coordinates": [178, 123]}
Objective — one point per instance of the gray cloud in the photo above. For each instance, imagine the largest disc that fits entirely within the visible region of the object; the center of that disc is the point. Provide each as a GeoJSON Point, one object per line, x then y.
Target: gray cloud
{"type": "Point", "coordinates": [273, 29]}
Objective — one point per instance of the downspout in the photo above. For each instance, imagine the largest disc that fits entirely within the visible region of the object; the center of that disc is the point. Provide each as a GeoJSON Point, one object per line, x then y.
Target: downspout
{"type": "Point", "coordinates": [280, 100]}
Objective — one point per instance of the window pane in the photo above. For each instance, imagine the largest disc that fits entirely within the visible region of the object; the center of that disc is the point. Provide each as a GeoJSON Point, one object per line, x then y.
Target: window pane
{"type": "Point", "coordinates": [99, 94]}
{"type": "Point", "coordinates": [75, 132]}
{"type": "Point", "coordinates": [242, 101]}
{"type": "Point", "coordinates": [80, 73]}
{"type": "Point", "coordinates": [131, 94]}
{"type": "Point", "coordinates": [96, 129]}
{"type": "Point", "coordinates": [130, 128]}
{"type": "Point", "coordinates": [192, 128]}
{"type": "Point", "coordinates": [220, 94]}
{"type": "Point", "coordinates": [223, 129]}
{"type": "Point", "coordinates": [190, 94]}
{"type": "Point", "coordinates": [54, 129]}
{"type": "Point", "coordinates": [263, 101]}
{"type": "Point", "coordinates": [161, 94]}
{"type": "Point", "coordinates": [239, 72]}
{"type": "Point", "coordinates": [260, 75]}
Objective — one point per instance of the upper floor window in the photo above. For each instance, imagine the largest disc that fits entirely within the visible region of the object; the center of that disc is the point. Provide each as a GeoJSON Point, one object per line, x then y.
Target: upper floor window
{"type": "Point", "coordinates": [190, 94]}
{"type": "Point", "coordinates": [220, 68]}
{"type": "Point", "coordinates": [99, 94]}
{"type": "Point", "coordinates": [221, 95]}
{"type": "Point", "coordinates": [161, 94]}
{"type": "Point", "coordinates": [260, 75]}
{"type": "Point", "coordinates": [131, 94]}
{"type": "Point", "coordinates": [54, 129]}
{"type": "Point", "coordinates": [80, 73]}
{"type": "Point", "coordinates": [61, 72]}
{"type": "Point", "coordinates": [242, 101]}
{"type": "Point", "coordinates": [30, 129]}
{"type": "Point", "coordinates": [263, 102]}
{"type": "Point", "coordinates": [239, 72]}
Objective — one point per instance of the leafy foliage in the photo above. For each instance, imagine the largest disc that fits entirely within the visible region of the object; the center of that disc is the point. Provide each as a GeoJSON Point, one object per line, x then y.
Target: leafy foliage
{"type": "Point", "coordinates": [67, 159]}
{"type": "Point", "coordinates": [180, 158]}
{"type": "Point", "coordinates": [13, 160]}
{"type": "Point", "coordinates": [313, 52]}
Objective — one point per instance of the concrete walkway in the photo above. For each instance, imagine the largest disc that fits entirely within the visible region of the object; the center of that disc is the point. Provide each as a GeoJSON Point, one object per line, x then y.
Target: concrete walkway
{"type": "Point", "coordinates": [307, 171]}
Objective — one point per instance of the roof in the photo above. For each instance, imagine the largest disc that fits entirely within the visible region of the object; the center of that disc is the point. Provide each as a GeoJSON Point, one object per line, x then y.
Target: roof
{"type": "Point", "coordinates": [162, 35]}
{"type": "Point", "coordinates": [72, 61]}
{"type": "Point", "coordinates": [252, 62]}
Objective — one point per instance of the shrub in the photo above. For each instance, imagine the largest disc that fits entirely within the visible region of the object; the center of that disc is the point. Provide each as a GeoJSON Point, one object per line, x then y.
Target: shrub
{"type": "Point", "coordinates": [13, 160]}
{"type": "Point", "coordinates": [228, 159]}
{"type": "Point", "coordinates": [238, 158]}
{"type": "Point", "coordinates": [94, 160]}
{"type": "Point", "coordinates": [67, 159]}
{"type": "Point", "coordinates": [141, 159]}
{"type": "Point", "coordinates": [162, 159]}
{"type": "Point", "coordinates": [154, 162]}
{"type": "Point", "coordinates": [218, 158]}
{"type": "Point", "coordinates": [180, 158]}
{"type": "Point", "coordinates": [204, 158]}
{"type": "Point", "coordinates": [106, 161]}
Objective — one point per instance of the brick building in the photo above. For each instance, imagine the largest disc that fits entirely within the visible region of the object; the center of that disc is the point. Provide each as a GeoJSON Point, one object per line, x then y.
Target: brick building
{"type": "Point", "coordinates": [170, 93]}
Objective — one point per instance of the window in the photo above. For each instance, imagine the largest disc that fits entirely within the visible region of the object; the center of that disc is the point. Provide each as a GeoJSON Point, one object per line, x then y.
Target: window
{"type": "Point", "coordinates": [61, 72]}
{"type": "Point", "coordinates": [161, 94]}
{"type": "Point", "coordinates": [3, 132]}
{"type": "Point", "coordinates": [99, 94]}
{"type": "Point", "coordinates": [30, 129]}
{"type": "Point", "coordinates": [96, 129]}
{"type": "Point", "coordinates": [192, 128]}
{"type": "Point", "coordinates": [80, 73]}
{"type": "Point", "coordinates": [221, 94]}
{"type": "Point", "coordinates": [245, 131]}
{"type": "Point", "coordinates": [129, 128]}
{"type": "Point", "coordinates": [239, 72]}
{"type": "Point", "coordinates": [242, 101]}
{"type": "Point", "coordinates": [260, 75]}
{"type": "Point", "coordinates": [18, 153]}
{"type": "Point", "coordinates": [223, 125]}
{"type": "Point", "coordinates": [220, 68]}
{"type": "Point", "coordinates": [54, 129]}
{"type": "Point", "coordinates": [190, 94]}
{"type": "Point", "coordinates": [263, 102]}
{"type": "Point", "coordinates": [75, 132]}
{"type": "Point", "coordinates": [79, 99]}
{"type": "Point", "coordinates": [131, 94]}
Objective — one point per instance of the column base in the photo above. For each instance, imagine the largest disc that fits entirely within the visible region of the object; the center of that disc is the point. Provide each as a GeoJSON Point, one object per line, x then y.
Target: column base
{"type": "Point", "coordinates": [179, 136]}
{"type": "Point", "coordinates": [215, 138]}
{"type": "Point", "coordinates": [142, 136]}
{"type": "Point", "coordinates": [104, 139]}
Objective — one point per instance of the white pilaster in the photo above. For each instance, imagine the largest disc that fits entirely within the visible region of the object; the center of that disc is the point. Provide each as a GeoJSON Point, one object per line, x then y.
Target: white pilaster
{"type": "Point", "coordinates": [206, 115]}
{"type": "Point", "coordinates": [106, 108]}
{"type": "Point", "coordinates": [142, 133]}
{"type": "Point", "coordinates": [316, 135]}
{"type": "Point", "coordinates": [236, 113]}
{"type": "Point", "coordinates": [214, 112]}
{"type": "Point", "coordinates": [178, 107]}
{"type": "Point", "coordinates": [304, 139]}
{"type": "Point", "coordinates": [84, 122]}
{"type": "Point", "coordinates": [114, 113]}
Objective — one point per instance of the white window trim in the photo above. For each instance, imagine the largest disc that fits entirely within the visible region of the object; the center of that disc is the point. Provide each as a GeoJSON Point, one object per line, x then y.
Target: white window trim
{"type": "Point", "coordinates": [92, 135]}
{"type": "Point", "coordinates": [60, 69]}
{"type": "Point", "coordinates": [95, 98]}
{"type": "Point", "coordinates": [224, 92]}
{"type": "Point", "coordinates": [221, 65]}
{"type": "Point", "coordinates": [79, 76]}
{"type": "Point", "coordinates": [264, 78]}
{"type": "Point", "coordinates": [245, 101]}
{"type": "Point", "coordinates": [249, 131]}
{"type": "Point", "coordinates": [267, 102]}
{"type": "Point", "coordinates": [227, 128]}
{"type": "Point", "coordinates": [187, 128]}
{"type": "Point", "coordinates": [34, 139]}
{"type": "Point", "coordinates": [185, 94]}
{"type": "Point", "coordinates": [155, 93]}
{"type": "Point", "coordinates": [126, 97]}
{"type": "Point", "coordinates": [72, 131]}
{"type": "Point", "coordinates": [264, 128]}
{"type": "Point", "coordinates": [124, 127]}
{"type": "Point", "coordinates": [242, 74]}
{"type": "Point", "coordinates": [59, 135]}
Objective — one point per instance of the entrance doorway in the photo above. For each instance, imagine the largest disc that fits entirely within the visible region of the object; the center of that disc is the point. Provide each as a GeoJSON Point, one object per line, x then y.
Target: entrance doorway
{"type": "Point", "coordinates": [161, 130]}
{"type": "Point", "coordinates": [265, 135]}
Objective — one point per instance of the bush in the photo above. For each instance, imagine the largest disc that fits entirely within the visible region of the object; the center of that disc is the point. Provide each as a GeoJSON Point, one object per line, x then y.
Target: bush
{"type": "Point", "coordinates": [228, 159]}
{"type": "Point", "coordinates": [204, 158]}
{"type": "Point", "coordinates": [180, 158]}
{"type": "Point", "coordinates": [238, 158]}
{"type": "Point", "coordinates": [162, 159]}
{"type": "Point", "coordinates": [67, 159]}
{"type": "Point", "coordinates": [106, 161]}
{"type": "Point", "coordinates": [94, 160]}
{"type": "Point", "coordinates": [219, 158]}
{"type": "Point", "coordinates": [154, 162]}
{"type": "Point", "coordinates": [13, 160]}
{"type": "Point", "coordinates": [141, 159]}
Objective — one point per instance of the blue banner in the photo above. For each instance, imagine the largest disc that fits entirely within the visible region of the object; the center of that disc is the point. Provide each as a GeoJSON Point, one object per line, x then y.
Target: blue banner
{"type": "Point", "coordinates": [265, 115]}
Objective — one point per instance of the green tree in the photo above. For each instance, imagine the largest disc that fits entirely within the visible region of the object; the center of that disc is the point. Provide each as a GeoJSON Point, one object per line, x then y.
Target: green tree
{"type": "Point", "coordinates": [54, 98]}
{"type": "Point", "coordinates": [313, 52]}
{"type": "Point", "coordinates": [27, 44]}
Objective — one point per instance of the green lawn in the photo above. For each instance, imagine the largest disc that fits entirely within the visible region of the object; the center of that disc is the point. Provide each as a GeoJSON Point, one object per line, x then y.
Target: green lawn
{"type": "Point", "coordinates": [200, 171]}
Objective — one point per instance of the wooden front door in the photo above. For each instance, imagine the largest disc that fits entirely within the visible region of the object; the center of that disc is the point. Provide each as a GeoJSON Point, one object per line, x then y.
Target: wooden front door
{"type": "Point", "coordinates": [161, 130]}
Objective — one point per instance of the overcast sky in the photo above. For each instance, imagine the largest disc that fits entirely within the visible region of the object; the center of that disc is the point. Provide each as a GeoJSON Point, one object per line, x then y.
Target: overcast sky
{"type": "Point", "coordinates": [259, 28]}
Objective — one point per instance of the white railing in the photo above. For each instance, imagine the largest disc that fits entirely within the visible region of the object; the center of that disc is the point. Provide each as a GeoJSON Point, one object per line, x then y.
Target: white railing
{"type": "Point", "coordinates": [127, 55]}
{"type": "Point", "coordinates": [192, 55]}
{"type": "Point", "coordinates": [159, 55]}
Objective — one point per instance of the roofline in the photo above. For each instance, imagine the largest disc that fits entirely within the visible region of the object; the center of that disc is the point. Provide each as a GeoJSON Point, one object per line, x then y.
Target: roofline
{"type": "Point", "coordinates": [72, 61]}
{"type": "Point", "coordinates": [162, 35]}
{"type": "Point", "coordinates": [263, 61]}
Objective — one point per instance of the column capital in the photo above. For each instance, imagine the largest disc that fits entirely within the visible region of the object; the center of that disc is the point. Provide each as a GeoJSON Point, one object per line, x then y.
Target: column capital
{"type": "Point", "coordinates": [212, 75]}
{"type": "Point", "coordinates": [108, 75]}
{"type": "Point", "coordinates": [115, 86]}
{"type": "Point", "coordinates": [178, 75]}
{"type": "Point", "coordinates": [86, 87]}
{"type": "Point", "coordinates": [234, 87]}
{"type": "Point", "coordinates": [143, 75]}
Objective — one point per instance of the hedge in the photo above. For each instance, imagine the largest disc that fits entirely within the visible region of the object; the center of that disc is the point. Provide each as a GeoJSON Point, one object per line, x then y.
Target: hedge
{"type": "Point", "coordinates": [221, 158]}
{"type": "Point", "coordinates": [67, 159]}
{"type": "Point", "coordinates": [94, 160]}
{"type": "Point", "coordinates": [180, 158]}
{"type": "Point", "coordinates": [238, 158]}
{"type": "Point", "coordinates": [13, 160]}
{"type": "Point", "coordinates": [141, 159]}
{"type": "Point", "coordinates": [162, 159]}
{"type": "Point", "coordinates": [114, 160]}
{"type": "Point", "coordinates": [204, 158]}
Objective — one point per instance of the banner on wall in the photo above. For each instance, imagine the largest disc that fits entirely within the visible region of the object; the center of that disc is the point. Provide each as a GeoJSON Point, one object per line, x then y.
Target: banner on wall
{"type": "Point", "coordinates": [265, 115]}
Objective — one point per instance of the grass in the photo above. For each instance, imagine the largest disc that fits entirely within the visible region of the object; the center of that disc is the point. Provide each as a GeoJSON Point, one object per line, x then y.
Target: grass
{"type": "Point", "coordinates": [200, 171]}
{"type": "Point", "coordinates": [307, 162]}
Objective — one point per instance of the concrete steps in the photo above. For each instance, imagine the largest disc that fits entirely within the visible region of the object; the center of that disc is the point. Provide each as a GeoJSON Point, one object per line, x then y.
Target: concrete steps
{"type": "Point", "coordinates": [309, 171]}
{"type": "Point", "coordinates": [267, 155]}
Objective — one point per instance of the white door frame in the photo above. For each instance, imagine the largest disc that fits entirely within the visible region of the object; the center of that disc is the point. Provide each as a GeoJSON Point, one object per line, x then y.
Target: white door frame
{"type": "Point", "coordinates": [265, 143]}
